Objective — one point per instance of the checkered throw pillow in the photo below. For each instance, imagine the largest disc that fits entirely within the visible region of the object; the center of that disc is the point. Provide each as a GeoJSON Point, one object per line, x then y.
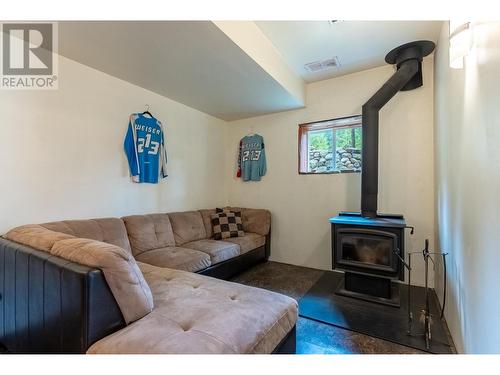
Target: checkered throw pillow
{"type": "Point", "coordinates": [226, 225]}
{"type": "Point", "coordinates": [219, 210]}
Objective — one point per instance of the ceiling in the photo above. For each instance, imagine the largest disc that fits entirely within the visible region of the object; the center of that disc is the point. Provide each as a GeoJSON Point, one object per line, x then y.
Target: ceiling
{"type": "Point", "coordinates": [234, 69]}
{"type": "Point", "coordinates": [359, 45]}
{"type": "Point", "coordinates": [192, 62]}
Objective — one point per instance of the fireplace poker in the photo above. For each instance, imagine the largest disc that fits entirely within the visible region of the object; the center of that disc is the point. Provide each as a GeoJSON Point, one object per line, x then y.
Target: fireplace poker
{"type": "Point", "coordinates": [426, 312]}
{"type": "Point", "coordinates": [410, 312]}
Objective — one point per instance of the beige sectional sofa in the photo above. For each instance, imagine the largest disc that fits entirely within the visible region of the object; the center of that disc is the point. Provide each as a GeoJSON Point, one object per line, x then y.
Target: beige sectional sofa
{"type": "Point", "coordinates": [153, 265]}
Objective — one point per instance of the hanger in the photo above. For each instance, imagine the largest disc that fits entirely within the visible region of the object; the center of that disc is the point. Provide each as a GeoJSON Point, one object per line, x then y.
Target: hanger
{"type": "Point", "coordinates": [146, 112]}
{"type": "Point", "coordinates": [252, 132]}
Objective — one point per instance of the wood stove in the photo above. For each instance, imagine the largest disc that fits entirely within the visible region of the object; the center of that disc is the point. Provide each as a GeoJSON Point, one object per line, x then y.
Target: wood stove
{"type": "Point", "coordinates": [369, 251]}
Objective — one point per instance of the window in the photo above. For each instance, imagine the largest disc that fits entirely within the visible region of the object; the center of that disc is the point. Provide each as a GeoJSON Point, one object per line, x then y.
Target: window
{"type": "Point", "coordinates": [330, 146]}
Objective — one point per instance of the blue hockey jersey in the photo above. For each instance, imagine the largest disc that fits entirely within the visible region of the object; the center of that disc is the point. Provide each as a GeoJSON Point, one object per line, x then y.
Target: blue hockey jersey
{"type": "Point", "coordinates": [145, 149]}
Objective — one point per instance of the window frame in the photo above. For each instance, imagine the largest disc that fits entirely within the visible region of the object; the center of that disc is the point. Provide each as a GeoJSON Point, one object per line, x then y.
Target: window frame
{"type": "Point", "coordinates": [347, 122]}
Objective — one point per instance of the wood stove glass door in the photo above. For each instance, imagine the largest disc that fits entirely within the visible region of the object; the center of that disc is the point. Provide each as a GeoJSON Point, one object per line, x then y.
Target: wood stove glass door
{"type": "Point", "coordinates": [366, 248]}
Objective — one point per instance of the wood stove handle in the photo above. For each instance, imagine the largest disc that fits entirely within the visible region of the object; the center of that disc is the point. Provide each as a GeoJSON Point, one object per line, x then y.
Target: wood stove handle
{"type": "Point", "coordinates": [410, 227]}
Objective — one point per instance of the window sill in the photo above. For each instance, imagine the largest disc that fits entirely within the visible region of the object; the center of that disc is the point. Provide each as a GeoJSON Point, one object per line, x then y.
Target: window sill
{"type": "Point", "coordinates": [333, 172]}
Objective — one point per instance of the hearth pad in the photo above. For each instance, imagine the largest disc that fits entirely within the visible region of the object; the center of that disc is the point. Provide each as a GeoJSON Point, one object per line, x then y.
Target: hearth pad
{"type": "Point", "coordinates": [321, 303]}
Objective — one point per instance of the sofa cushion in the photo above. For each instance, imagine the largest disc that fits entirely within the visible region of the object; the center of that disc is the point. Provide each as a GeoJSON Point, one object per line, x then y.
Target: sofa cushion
{"type": "Point", "coordinates": [176, 257]}
{"type": "Point", "coordinates": [254, 220]}
{"type": "Point", "coordinates": [148, 232]}
{"type": "Point", "coordinates": [120, 269]}
{"type": "Point", "coordinates": [218, 251]}
{"type": "Point", "coordinates": [197, 314]}
{"type": "Point", "coordinates": [109, 230]}
{"type": "Point", "coordinates": [207, 221]}
{"type": "Point", "coordinates": [187, 226]}
{"type": "Point", "coordinates": [248, 242]}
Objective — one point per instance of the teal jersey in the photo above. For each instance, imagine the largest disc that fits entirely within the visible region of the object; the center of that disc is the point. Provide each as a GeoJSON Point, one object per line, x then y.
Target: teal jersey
{"type": "Point", "coordinates": [252, 158]}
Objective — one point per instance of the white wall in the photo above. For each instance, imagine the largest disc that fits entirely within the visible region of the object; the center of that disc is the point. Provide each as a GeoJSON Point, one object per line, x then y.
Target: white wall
{"type": "Point", "coordinates": [302, 204]}
{"type": "Point", "coordinates": [61, 152]}
{"type": "Point", "coordinates": [467, 118]}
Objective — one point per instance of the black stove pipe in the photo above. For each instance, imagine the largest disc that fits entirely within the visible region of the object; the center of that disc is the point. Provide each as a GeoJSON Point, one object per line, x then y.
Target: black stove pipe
{"type": "Point", "coordinates": [369, 176]}
{"type": "Point", "coordinates": [408, 76]}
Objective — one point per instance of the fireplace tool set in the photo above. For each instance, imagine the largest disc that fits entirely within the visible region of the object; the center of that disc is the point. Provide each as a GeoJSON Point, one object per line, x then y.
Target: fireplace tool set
{"type": "Point", "coordinates": [425, 316]}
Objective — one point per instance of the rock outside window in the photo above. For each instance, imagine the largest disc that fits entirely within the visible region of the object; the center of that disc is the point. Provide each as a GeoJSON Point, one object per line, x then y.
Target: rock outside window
{"type": "Point", "coordinates": [330, 146]}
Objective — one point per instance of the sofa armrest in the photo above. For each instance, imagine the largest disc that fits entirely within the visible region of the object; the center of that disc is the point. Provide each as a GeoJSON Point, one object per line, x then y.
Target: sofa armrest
{"type": "Point", "coordinates": [51, 305]}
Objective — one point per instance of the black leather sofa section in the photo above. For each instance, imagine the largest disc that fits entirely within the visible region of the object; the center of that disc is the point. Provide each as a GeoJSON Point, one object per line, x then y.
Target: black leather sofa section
{"type": "Point", "coordinates": [51, 305]}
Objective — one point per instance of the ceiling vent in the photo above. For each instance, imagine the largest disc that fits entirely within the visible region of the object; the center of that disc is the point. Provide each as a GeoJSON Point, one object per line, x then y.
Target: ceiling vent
{"type": "Point", "coordinates": [317, 66]}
